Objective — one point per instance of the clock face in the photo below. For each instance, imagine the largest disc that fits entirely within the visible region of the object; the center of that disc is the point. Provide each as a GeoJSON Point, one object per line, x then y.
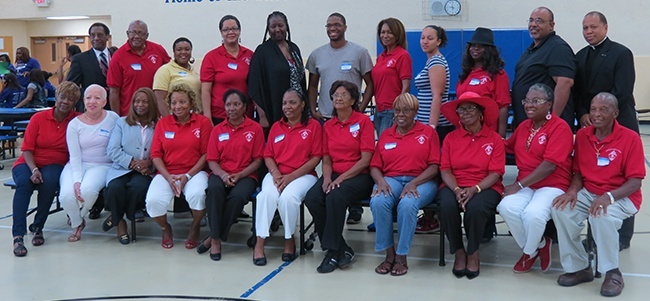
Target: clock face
{"type": "Point", "coordinates": [452, 7]}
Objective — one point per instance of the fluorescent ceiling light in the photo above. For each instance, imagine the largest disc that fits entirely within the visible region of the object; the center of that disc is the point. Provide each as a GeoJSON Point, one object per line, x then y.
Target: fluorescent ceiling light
{"type": "Point", "coordinates": [68, 18]}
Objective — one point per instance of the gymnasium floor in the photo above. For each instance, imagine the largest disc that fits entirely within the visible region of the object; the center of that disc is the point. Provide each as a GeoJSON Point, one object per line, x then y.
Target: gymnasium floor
{"type": "Point", "coordinates": [99, 268]}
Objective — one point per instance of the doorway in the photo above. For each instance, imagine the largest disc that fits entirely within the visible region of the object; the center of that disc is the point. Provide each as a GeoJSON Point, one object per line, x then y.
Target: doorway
{"type": "Point", "coordinates": [49, 51]}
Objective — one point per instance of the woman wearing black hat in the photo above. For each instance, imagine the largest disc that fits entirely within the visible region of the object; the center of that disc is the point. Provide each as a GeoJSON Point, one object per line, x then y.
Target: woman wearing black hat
{"type": "Point", "coordinates": [470, 186]}
{"type": "Point", "coordinates": [483, 74]}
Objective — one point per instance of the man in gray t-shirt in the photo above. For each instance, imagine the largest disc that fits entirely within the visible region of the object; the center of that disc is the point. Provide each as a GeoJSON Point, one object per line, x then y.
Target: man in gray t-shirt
{"type": "Point", "coordinates": [338, 60]}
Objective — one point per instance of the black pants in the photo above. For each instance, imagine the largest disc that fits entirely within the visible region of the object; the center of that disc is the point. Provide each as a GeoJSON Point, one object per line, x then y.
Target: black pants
{"type": "Point", "coordinates": [126, 194]}
{"type": "Point", "coordinates": [477, 211]}
{"type": "Point", "coordinates": [224, 204]}
{"type": "Point", "coordinates": [328, 210]}
{"type": "Point", "coordinates": [626, 231]}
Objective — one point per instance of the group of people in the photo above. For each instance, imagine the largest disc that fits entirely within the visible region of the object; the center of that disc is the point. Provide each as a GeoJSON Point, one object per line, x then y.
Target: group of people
{"type": "Point", "coordinates": [26, 85]}
{"type": "Point", "coordinates": [206, 135]}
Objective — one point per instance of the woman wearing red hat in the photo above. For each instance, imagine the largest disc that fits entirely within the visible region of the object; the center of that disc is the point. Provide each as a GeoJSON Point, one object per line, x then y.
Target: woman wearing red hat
{"type": "Point", "coordinates": [542, 146]}
{"type": "Point", "coordinates": [470, 186]}
{"type": "Point", "coordinates": [483, 74]}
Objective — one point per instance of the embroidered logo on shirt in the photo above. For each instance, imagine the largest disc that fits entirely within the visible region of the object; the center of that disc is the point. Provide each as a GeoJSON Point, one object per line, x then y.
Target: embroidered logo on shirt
{"type": "Point", "coordinates": [304, 134]}
{"type": "Point", "coordinates": [153, 58]}
{"type": "Point", "coordinates": [197, 132]}
{"type": "Point", "coordinates": [249, 136]}
{"type": "Point", "coordinates": [488, 148]}
{"type": "Point", "coordinates": [612, 153]}
{"type": "Point", "coordinates": [421, 139]}
{"type": "Point", "coordinates": [247, 61]}
{"type": "Point", "coordinates": [391, 63]}
{"type": "Point", "coordinates": [542, 139]}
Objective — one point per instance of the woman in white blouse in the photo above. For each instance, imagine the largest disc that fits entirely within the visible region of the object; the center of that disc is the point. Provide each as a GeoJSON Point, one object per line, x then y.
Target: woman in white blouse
{"type": "Point", "coordinates": [85, 175]}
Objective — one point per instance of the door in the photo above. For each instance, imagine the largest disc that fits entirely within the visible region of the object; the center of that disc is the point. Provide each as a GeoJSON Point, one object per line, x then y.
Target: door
{"type": "Point", "coordinates": [49, 51]}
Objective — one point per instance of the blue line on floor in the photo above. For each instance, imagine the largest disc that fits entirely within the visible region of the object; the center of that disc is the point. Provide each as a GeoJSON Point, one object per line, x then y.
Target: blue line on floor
{"type": "Point", "coordinates": [8, 216]}
{"type": "Point", "coordinates": [266, 279]}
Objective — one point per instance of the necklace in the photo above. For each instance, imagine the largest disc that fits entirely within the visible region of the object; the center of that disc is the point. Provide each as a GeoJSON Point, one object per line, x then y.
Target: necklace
{"type": "Point", "coordinates": [533, 132]}
{"type": "Point", "coordinates": [597, 149]}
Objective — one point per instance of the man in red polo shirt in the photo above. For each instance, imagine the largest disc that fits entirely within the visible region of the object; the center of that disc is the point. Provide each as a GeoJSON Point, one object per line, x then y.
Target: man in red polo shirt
{"type": "Point", "coordinates": [608, 168]}
{"type": "Point", "coordinates": [133, 66]}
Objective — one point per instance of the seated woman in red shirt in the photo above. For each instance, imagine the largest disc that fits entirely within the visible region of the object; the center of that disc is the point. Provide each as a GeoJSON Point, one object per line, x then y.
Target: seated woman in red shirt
{"type": "Point", "coordinates": [542, 145]}
{"type": "Point", "coordinates": [44, 153]}
{"type": "Point", "coordinates": [348, 144]}
{"type": "Point", "coordinates": [403, 166]}
{"type": "Point", "coordinates": [472, 186]}
{"type": "Point", "coordinates": [292, 152]}
{"type": "Point", "coordinates": [178, 150]}
{"type": "Point", "coordinates": [235, 153]}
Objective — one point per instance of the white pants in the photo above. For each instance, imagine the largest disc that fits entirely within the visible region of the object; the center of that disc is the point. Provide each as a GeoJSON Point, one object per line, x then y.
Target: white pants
{"type": "Point", "coordinates": [288, 203]}
{"type": "Point", "coordinates": [93, 180]}
{"type": "Point", "coordinates": [160, 194]}
{"type": "Point", "coordinates": [604, 229]}
{"type": "Point", "coordinates": [526, 213]}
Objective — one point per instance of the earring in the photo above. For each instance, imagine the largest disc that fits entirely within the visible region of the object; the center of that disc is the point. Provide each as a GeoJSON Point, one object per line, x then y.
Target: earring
{"type": "Point", "coordinates": [548, 115]}
{"type": "Point", "coordinates": [239, 39]}
{"type": "Point", "coordinates": [481, 118]}
{"type": "Point", "coordinates": [191, 60]}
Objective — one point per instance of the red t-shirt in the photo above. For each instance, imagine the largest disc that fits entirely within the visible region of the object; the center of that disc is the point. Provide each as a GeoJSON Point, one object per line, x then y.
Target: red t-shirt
{"type": "Point", "coordinates": [621, 151]}
{"type": "Point", "coordinates": [181, 145]}
{"type": "Point", "coordinates": [387, 75]}
{"type": "Point", "coordinates": [129, 71]}
{"type": "Point", "coordinates": [45, 138]}
{"type": "Point", "coordinates": [291, 147]}
{"type": "Point", "coordinates": [472, 157]}
{"type": "Point", "coordinates": [553, 143]}
{"type": "Point", "coordinates": [480, 82]}
{"type": "Point", "coordinates": [225, 72]}
{"type": "Point", "coordinates": [407, 155]}
{"type": "Point", "coordinates": [234, 149]}
{"type": "Point", "coordinates": [344, 142]}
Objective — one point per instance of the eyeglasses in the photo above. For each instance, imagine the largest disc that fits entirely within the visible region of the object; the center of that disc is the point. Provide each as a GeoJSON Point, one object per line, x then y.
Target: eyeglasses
{"type": "Point", "coordinates": [537, 21]}
{"type": "Point", "coordinates": [342, 95]}
{"type": "Point", "coordinates": [141, 34]}
{"type": "Point", "coordinates": [534, 101]}
{"type": "Point", "coordinates": [335, 25]}
{"type": "Point", "coordinates": [233, 29]}
{"type": "Point", "coordinates": [404, 111]}
{"type": "Point", "coordinates": [467, 109]}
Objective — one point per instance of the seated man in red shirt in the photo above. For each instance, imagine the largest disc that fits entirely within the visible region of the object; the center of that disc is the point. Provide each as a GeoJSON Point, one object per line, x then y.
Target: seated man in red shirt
{"type": "Point", "coordinates": [606, 188]}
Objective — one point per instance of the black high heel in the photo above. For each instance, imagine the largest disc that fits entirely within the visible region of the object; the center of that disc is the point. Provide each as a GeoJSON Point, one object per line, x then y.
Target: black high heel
{"type": "Point", "coordinates": [472, 274]}
{"type": "Point", "coordinates": [259, 261]}
{"type": "Point", "coordinates": [201, 248]}
{"type": "Point", "coordinates": [459, 273]}
{"type": "Point", "coordinates": [216, 256]}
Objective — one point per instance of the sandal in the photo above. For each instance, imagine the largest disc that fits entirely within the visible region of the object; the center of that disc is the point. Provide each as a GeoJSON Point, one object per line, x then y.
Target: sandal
{"type": "Point", "coordinates": [384, 267]}
{"type": "Point", "coordinates": [76, 234]}
{"type": "Point", "coordinates": [191, 244]}
{"type": "Point", "coordinates": [38, 239]}
{"type": "Point", "coordinates": [19, 247]}
{"type": "Point", "coordinates": [202, 248]}
{"type": "Point", "coordinates": [399, 269]}
{"type": "Point", "coordinates": [124, 239]}
{"type": "Point", "coordinates": [168, 242]}
{"type": "Point", "coordinates": [107, 224]}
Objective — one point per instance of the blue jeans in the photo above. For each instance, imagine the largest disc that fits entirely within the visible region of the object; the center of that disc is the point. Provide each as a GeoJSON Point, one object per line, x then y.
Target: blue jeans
{"type": "Point", "coordinates": [407, 213]}
{"type": "Point", "coordinates": [383, 120]}
{"type": "Point", "coordinates": [24, 190]}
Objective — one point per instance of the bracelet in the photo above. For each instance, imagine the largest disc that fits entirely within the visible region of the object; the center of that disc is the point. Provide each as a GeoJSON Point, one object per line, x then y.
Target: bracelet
{"type": "Point", "coordinates": [35, 169]}
{"type": "Point", "coordinates": [611, 197]}
{"type": "Point", "coordinates": [433, 126]}
{"type": "Point", "coordinates": [520, 186]}
{"type": "Point", "coordinates": [457, 188]}
{"type": "Point", "coordinates": [225, 175]}
{"type": "Point", "coordinates": [272, 170]}
{"type": "Point", "coordinates": [478, 188]}
{"type": "Point", "coordinates": [189, 177]}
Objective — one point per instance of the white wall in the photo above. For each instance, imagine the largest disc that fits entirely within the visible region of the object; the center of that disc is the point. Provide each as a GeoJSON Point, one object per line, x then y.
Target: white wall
{"type": "Point", "coordinates": [199, 21]}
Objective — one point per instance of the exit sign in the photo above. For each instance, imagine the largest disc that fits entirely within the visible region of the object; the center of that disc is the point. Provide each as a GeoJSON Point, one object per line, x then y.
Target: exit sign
{"type": "Point", "coordinates": [42, 3]}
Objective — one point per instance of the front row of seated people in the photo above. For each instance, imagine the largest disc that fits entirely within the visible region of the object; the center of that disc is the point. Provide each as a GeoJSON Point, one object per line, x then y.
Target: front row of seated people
{"type": "Point", "coordinates": [601, 182]}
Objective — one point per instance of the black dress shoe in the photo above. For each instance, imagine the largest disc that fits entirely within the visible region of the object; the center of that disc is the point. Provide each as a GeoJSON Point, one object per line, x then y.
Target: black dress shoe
{"type": "Point", "coordinates": [259, 261]}
{"type": "Point", "coordinates": [94, 213]}
{"type": "Point", "coordinates": [124, 239]}
{"type": "Point", "coordinates": [107, 224]}
{"type": "Point", "coordinates": [289, 256]}
{"type": "Point", "coordinates": [202, 248]}
{"type": "Point", "coordinates": [472, 274]}
{"type": "Point", "coordinates": [215, 257]}
{"type": "Point", "coordinates": [458, 273]}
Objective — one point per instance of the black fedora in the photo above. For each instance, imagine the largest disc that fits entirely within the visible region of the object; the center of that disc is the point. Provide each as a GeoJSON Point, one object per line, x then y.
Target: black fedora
{"type": "Point", "coordinates": [482, 36]}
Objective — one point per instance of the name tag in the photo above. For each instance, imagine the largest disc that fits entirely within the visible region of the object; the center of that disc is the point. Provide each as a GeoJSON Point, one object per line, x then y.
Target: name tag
{"type": "Point", "coordinates": [104, 133]}
{"type": "Point", "coordinates": [603, 161]}
{"type": "Point", "coordinates": [278, 138]}
{"type": "Point", "coordinates": [136, 67]}
{"type": "Point", "coordinates": [182, 73]}
{"type": "Point", "coordinates": [169, 135]}
{"type": "Point", "coordinates": [354, 128]}
{"type": "Point", "coordinates": [232, 66]}
{"type": "Point", "coordinates": [389, 146]}
{"type": "Point", "coordinates": [346, 66]}
{"type": "Point", "coordinates": [224, 137]}
{"type": "Point", "coordinates": [474, 82]}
